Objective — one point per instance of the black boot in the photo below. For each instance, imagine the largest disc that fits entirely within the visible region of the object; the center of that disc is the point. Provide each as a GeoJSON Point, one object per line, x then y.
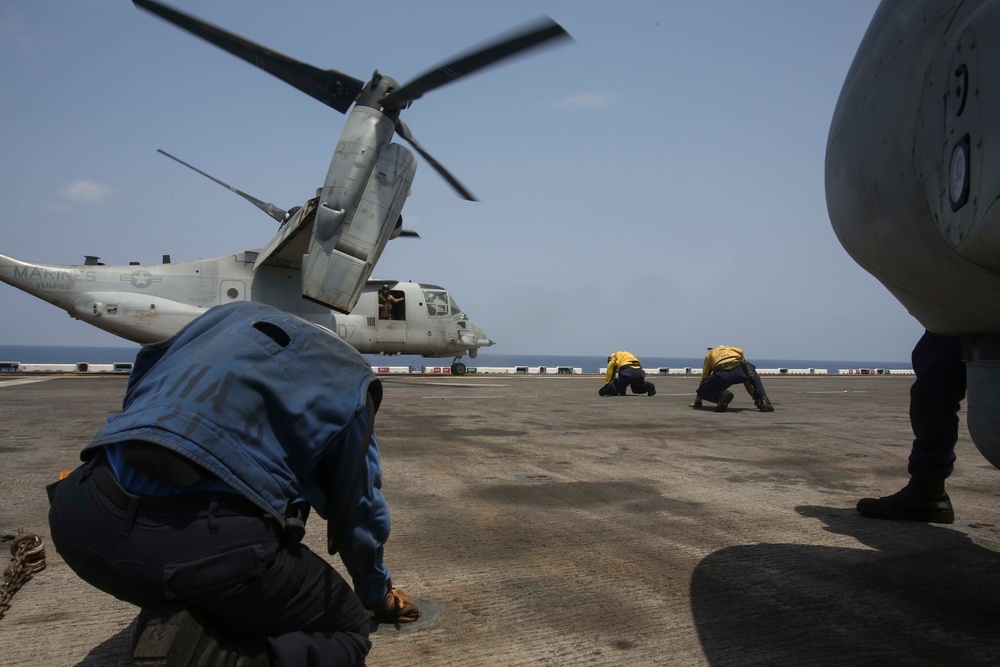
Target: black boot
{"type": "Point", "coordinates": [650, 389]}
{"type": "Point", "coordinates": [724, 401]}
{"type": "Point", "coordinates": [917, 501]}
{"type": "Point", "coordinates": [171, 636]}
{"type": "Point", "coordinates": [764, 404]}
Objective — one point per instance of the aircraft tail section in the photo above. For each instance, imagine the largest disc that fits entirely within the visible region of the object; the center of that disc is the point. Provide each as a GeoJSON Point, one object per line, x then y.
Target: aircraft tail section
{"type": "Point", "coordinates": [47, 282]}
{"type": "Point", "coordinates": [99, 296]}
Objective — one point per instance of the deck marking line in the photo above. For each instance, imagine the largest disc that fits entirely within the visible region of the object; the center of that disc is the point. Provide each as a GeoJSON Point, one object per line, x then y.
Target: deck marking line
{"type": "Point", "coordinates": [11, 383]}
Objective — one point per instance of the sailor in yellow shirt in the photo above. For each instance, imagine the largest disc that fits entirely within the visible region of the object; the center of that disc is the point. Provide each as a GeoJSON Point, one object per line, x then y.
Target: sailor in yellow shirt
{"type": "Point", "coordinates": [629, 374]}
{"type": "Point", "coordinates": [724, 367]}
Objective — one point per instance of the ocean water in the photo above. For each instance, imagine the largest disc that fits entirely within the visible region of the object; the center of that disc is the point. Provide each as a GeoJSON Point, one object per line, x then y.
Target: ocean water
{"type": "Point", "coordinates": [41, 354]}
{"type": "Point", "coordinates": [50, 354]}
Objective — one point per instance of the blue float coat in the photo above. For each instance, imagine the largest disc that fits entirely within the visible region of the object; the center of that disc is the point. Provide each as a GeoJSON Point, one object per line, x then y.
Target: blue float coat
{"type": "Point", "coordinates": [265, 401]}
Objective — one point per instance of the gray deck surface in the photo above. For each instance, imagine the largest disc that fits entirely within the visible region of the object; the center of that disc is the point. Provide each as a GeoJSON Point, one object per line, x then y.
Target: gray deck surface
{"type": "Point", "coordinates": [555, 527]}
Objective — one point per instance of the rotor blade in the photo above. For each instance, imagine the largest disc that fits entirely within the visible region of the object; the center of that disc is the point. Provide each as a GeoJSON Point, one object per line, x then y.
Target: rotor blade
{"type": "Point", "coordinates": [332, 88]}
{"type": "Point", "coordinates": [278, 214]}
{"type": "Point", "coordinates": [543, 31]}
{"type": "Point", "coordinates": [403, 131]}
{"type": "Point", "coordinates": [409, 233]}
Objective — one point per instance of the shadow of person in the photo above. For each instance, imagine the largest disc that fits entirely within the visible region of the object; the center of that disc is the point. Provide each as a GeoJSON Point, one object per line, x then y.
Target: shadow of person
{"type": "Point", "coordinates": [910, 593]}
{"type": "Point", "coordinates": [115, 651]}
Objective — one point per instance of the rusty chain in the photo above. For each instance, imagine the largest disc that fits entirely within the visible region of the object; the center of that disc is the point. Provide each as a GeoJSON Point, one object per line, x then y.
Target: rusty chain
{"type": "Point", "coordinates": [27, 557]}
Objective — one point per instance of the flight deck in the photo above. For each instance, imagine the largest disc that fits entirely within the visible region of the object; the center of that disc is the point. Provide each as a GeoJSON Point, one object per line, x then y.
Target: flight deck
{"type": "Point", "coordinates": [545, 525]}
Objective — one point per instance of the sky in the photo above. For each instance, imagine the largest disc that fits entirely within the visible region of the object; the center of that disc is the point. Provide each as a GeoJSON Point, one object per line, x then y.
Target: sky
{"type": "Point", "coordinates": [655, 185]}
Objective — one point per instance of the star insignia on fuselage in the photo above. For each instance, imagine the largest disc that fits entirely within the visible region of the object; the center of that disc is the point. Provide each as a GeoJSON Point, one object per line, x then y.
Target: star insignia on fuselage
{"type": "Point", "coordinates": [142, 279]}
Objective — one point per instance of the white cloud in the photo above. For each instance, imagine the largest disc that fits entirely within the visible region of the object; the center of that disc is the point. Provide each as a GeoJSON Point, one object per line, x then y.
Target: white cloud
{"type": "Point", "coordinates": [88, 192]}
{"type": "Point", "coordinates": [587, 101]}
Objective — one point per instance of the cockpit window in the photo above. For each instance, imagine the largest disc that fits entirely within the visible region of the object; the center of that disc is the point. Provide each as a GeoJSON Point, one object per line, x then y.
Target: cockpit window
{"type": "Point", "coordinates": [438, 303]}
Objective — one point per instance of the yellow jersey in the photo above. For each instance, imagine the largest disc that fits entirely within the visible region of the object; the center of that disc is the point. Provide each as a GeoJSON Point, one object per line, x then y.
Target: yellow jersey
{"type": "Point", "coordinates": [720, 355]}
{"type": "Point", "coordinates": [619, 359]}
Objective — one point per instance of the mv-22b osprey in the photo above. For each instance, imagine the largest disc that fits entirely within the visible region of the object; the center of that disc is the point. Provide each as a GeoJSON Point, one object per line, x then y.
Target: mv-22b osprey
{"type": "Point", "coordinates": [147, 303]}
{"type": "Point", "coordinates": [360, 203]}
{"type": "Point", "coordinates": [151, 302]}
{"type": "Point", "coordinates": [326, 249]}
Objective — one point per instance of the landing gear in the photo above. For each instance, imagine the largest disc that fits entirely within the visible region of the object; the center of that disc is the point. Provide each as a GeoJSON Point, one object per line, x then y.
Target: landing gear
{"type": "Point", "coordinates": [457, 368]}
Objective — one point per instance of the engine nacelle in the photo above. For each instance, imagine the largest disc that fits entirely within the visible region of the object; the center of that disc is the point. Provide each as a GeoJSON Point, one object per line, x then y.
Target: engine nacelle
{"type": "Point", "coordinates": [366, 187]}
{"type": "Point", "coordinates": [912, 170]}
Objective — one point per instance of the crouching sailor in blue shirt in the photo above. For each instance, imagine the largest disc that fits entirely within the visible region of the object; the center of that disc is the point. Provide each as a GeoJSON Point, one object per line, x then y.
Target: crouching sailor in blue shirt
{"type": "Point", "coordinates": [192, 501]}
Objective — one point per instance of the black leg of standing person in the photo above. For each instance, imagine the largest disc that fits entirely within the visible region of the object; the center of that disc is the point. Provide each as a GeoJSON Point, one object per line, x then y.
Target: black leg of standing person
{"type": "Point", "coordinates": [935, 399]}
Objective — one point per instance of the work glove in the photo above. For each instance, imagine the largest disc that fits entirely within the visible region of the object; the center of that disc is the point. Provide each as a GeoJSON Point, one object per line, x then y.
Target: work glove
{"type": "Point", "coordinates": [397, 607]}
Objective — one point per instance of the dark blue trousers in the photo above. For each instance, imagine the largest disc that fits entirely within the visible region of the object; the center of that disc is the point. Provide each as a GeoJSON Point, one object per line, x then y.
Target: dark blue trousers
{"type": "Point", "coordinates": [935, 399]}
{"type": "Point", "coordinates": [630, 376]}
{"type": "Point", "coordinates": [717, 382]}
{"type": "Point", "coordinates": [234, 570]}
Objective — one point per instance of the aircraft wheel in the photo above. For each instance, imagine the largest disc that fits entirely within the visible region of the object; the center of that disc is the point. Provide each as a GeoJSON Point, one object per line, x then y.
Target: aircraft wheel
{"type": "Point", "coordinates": [458, 368]}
